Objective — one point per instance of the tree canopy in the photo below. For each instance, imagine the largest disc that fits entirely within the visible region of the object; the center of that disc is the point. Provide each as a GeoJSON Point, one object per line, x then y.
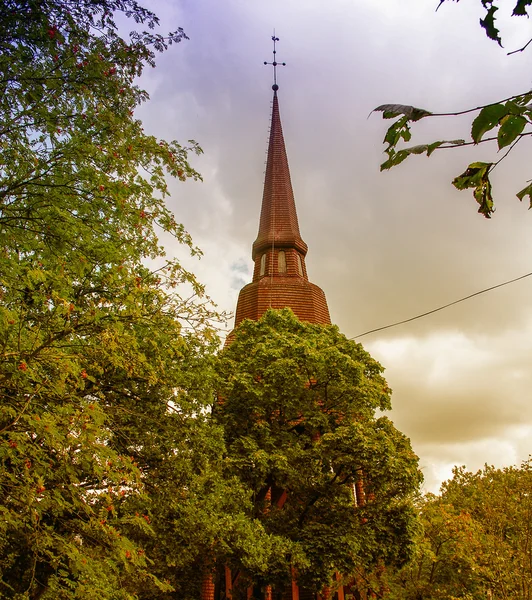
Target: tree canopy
{"type": "Point", "coordinates": [98, 352]}
{"type": "Point", "coordinates": [476, 539]}
{"type": "Point", "coordinates": [504, 123]}
{"type": "Point", "coordinates": [299, 410]}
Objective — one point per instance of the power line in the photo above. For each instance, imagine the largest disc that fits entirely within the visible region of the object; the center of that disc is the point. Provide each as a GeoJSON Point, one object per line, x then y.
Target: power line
{"type": "Point", "coordinates": [430, 312]}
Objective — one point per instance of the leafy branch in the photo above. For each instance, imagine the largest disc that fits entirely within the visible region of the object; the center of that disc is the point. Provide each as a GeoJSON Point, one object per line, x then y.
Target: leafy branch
{"type": "Point", "coordinates": [509, 118]}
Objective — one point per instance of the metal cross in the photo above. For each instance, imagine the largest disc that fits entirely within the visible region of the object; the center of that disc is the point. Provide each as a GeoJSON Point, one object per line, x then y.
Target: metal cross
{"type": "Point", "coordinates": [274, 63]}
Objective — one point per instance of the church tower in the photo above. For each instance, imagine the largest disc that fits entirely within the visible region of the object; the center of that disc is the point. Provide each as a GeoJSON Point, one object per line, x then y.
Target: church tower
{"type": "Point", "coordinates": [280, 274]}
{"type": "Point", "coordinates": [280, 280]}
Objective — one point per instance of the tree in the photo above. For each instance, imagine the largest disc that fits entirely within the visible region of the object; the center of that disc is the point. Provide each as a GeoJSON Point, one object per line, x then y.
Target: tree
{"type": "Point", "coordinates": [476, 539]}
{"type": "Point", "coordinates": [444, 561]}
{"type": "Point", "coordinates": [298, 406]}
{"type": "Point", "coordinates": [506, 123]}
{"type": "Point", "coordinates": [106, 368]}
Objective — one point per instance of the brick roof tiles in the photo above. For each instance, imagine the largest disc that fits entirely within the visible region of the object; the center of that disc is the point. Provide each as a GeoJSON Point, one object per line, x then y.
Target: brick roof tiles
{"type": "Point", "coordinates": [278, 217]}
{"type": "Point", "coordinates": [280, 276]}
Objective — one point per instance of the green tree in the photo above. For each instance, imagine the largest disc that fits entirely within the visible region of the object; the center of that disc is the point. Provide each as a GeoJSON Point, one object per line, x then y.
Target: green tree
{"type": "Point", "coordinates": [299, 404]}
{"type": "Point", "coordinates": [476, 539]}
{"type": "Point", "coordinates": [504, 124]}
{"type": "Point", "coordinates": [105, 368]}
{"type": "Point", "coordinates": [444, 561]}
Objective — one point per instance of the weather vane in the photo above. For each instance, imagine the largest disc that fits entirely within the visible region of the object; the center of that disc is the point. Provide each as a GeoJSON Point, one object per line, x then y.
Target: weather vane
{"type": "Point", "coordinates": [274, 63]}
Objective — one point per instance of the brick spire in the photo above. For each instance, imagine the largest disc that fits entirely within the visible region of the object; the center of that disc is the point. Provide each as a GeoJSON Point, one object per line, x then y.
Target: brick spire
{"type": "Point", "coordinates": [280, 275]}
{"type": "Point", "coordinates": [278, 225]}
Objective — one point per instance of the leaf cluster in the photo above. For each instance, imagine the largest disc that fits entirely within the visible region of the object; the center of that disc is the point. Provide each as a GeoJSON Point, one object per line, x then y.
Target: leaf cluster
{"type": "Point", "coordinates": [510, 118]}
{"type": "Point", "coordinates": [475, 541]}
{"type": "Point", "coordinates": [298, 407]}
{"type": "Point", "coordinates": [520, 9]}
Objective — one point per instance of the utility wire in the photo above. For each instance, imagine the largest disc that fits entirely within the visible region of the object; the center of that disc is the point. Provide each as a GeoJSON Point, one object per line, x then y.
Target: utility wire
{"type": "Point", "coordinates": [430, 312]}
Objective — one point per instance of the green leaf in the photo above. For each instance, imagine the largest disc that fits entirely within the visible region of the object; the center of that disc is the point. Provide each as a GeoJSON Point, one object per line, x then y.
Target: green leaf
{"type": "Point", "coordinates": [476, 176]}
{"type": "Point", "coordinates": [443, 144]}
{"type": "Point", "coordinates": [435, 146]}
{"type": "Point", "coordinates": [517, 106]}
{"type": "Point", "coordinates": [395, 158]}
{"type": "Point", "coordinates": [483, 196]}
{"type": "Point", "coordinates": [389, 111]}
{"type": "Point", "coordinates": [511, 128]}
{"type": "Point", "coordinates": [397, 131]}
{"type": "Point", "coordinates": [527, 191]}
{"type": "Point", "coordinates": [419, 149]}
{"type": "Point", "coordinates": [470, 177]}
{"type": "Point", "coordinates": [487, 119]}
{"type": "Point", "coordinates": [429, 148]}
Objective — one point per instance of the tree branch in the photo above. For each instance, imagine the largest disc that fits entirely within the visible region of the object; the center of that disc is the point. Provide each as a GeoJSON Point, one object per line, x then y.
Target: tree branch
{"type": "Point", "coordinates": [520, 49]}
{"type": "Point", "coordinates": [470, 110]}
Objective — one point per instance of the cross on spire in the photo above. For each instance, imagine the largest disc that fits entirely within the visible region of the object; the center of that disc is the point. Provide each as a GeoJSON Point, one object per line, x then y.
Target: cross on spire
{"type": "Point", "coordinates": [274, 63]}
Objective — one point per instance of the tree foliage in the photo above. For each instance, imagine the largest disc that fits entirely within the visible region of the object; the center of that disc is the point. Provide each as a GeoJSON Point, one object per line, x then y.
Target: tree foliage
{"type": "Point", "coordinates": [504, 123]}
{"type": "Point", "coordinates": [476, 539]}
{"type": "Point", "coordinates": [299, 404]}
{"type": "Point", "coordinates": [104, 363]}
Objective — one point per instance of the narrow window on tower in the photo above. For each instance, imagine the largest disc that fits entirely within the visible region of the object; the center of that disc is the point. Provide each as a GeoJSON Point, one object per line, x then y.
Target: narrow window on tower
{"type": "Point", "coordinates": [299, 265]}
{"type": "Point", "coordinates": [262, 265]}
{"type": "Point", "coordinates": [281, 261]}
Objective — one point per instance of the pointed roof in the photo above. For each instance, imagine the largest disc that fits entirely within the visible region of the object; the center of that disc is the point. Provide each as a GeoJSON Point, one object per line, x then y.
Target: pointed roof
{"type": "Point", "coordinates": [280, 275]}
{"type": "Point", "coordinates": [278, 225]}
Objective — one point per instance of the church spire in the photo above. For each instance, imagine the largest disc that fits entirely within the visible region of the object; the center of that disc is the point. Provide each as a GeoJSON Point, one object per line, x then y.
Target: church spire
{"type": "Point", "coordinates": [278, 225]}
{"type": "Point", "coordinates": [280, 276]}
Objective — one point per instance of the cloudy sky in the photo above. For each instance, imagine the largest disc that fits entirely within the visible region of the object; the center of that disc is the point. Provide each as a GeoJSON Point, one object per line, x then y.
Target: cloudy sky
{"type": "Point", "coordinates": [383, 246]}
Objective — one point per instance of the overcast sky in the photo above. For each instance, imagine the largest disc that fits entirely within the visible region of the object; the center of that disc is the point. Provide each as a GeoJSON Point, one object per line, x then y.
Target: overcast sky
{"type": "Point", "coordinates": [383, 246]}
